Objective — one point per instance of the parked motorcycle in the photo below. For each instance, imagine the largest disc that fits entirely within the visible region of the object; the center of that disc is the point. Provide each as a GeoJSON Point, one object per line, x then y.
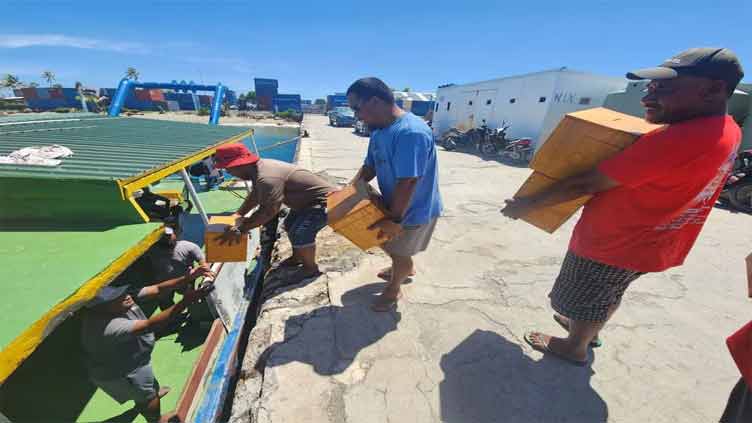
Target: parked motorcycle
{"type": "Point", "coordinates": [455, 138]}
{"type": "Point", "coordinates": [496, 142]}
{"type": "Point", "coordinates": [738, 189]}
{"type": "Point", "coordinates": [519, 151]}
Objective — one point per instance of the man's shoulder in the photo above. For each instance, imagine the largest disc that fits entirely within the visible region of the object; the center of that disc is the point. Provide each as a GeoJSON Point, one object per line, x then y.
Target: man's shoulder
{"type": "Point", "coordinates": [413, 126]}
{"type": "Point", "coordinates": [274, 169]}
{"type": "Point", "coordinates": [184, 244]}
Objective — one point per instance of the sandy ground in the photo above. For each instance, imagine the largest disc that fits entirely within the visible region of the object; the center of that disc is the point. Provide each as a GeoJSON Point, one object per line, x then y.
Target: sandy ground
{"type": "Point", "coordinates": [453, 350]}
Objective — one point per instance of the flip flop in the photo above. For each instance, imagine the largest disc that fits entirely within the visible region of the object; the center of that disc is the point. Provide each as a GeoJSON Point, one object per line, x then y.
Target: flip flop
{"type": "Point", "coordinates": [381, 306]}
{"type": "Point", "coordinates": [386, 275]}
{"type": "Point", "coordinates": [545, 350]}
{"type": "Point", "coordinates": [163, 391]}
{"type": "Point", "coordinates": [595, 343]}
{"type": "Point", "coordinates": [288, 262]}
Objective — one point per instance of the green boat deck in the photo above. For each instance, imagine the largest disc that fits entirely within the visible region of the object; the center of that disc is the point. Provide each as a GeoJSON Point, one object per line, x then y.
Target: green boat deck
{"type": "Point", "coordinates": [55, 370]}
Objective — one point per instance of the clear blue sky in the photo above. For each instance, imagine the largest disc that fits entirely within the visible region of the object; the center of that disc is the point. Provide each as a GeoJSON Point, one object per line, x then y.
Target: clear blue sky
{"type": "Point", "coordinates": [317, 47]}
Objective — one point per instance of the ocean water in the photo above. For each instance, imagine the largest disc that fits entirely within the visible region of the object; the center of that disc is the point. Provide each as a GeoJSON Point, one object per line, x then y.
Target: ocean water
{"type": "Point", "coordinates": [267, 136]}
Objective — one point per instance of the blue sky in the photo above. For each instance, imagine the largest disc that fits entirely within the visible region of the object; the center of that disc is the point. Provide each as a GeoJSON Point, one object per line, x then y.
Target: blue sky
{"type": "Point", "coordinates": [318, 47]}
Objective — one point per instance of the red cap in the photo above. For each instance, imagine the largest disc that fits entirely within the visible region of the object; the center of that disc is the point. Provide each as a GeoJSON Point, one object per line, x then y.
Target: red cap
{"type": "Point", "coordinates": [231, 155]}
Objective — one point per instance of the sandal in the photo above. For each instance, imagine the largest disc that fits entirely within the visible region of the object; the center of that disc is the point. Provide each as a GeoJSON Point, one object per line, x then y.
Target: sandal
{"type": "Point", "coordinates": [386, 274]}
{"type": "Point", "coordinates": [595, 343]}
{"type": "Point", "coordinates": [541, 346]}
{"type": "Point", "coordinates": [289, 262]}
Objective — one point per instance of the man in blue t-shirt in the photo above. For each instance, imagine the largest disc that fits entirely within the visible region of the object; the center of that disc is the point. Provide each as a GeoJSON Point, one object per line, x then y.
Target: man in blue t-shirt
{"type": "Point", "coordinates": [402, 157]}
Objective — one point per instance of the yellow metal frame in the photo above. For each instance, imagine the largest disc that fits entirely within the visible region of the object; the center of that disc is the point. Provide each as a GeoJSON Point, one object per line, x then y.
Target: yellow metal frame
{"type": "Point", "coordinates": [130, 185]}
{"type": "Point", "coordinates": [24, 344]}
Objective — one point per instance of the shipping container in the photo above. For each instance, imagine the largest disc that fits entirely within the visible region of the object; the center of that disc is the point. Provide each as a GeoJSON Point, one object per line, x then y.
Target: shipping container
{"type": "Point", "coordinates": [29, 93]}
{"type": "Point", "coordinates": [285, 102]}
{"type": "Point", "coordinates": [421, 108]}
{"type": "Point", "coordinates": [264, 102]}
{"type": "Point", "coordinates": [336, 100]}
{"type": "Point", "coordinates": [156, 95]}
{"type": "Point", "coordinates": [173, 106]}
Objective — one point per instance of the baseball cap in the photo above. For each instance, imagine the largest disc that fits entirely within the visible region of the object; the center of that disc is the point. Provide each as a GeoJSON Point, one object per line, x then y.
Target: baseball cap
{"type": "Point", "coordinates": [231, 155]}
{"type": "Point", "coordinates": [107, 294]}
{"type": "Point", "coordinates": [708, 62]}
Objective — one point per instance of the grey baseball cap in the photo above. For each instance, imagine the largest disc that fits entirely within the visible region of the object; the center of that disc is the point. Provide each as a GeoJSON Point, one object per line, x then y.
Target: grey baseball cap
{"type": "Point", "coordinates": [708, 62]}
{"type": "Point", "coordinates": [107, 294]}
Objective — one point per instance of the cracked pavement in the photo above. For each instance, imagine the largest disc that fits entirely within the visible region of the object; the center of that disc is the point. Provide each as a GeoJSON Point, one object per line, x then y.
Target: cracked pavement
{"type": "Point", "coordinates": [453, 350]}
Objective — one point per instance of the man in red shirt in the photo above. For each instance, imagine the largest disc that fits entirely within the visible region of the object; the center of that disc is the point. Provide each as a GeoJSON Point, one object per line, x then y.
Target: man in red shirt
{"type": "Point", "coordinates": [649, 202]}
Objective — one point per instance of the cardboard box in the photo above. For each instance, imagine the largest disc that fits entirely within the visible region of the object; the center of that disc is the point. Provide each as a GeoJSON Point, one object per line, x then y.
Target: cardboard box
{"type": "Point", "coordinates": [352, 210]}
{"type": "Point", "coordinates": [580, 141]}
{"type": "Point", "coordinates": [216, 253]}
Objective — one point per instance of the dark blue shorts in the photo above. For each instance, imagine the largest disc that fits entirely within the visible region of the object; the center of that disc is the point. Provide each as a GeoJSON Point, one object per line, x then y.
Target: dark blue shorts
{"type": "Point", "coordinates": [303, 225]}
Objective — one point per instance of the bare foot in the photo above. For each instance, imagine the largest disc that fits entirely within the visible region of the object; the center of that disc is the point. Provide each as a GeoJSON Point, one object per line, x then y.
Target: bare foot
{"type": "Point", "coordinates": [548, 344]}
{"type": "Point", "coordinates": [385, 302]}
{"type": "Point", "coordinates": [386, 274]}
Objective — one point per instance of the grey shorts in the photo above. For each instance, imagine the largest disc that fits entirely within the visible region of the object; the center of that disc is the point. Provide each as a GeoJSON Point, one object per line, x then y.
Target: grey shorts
{"type": "Point", "coordinates": [586, 289]}
{"type": "Point", "coordinates": [413, 240]}
{"type": "Point", "coordinates": [139, 386]}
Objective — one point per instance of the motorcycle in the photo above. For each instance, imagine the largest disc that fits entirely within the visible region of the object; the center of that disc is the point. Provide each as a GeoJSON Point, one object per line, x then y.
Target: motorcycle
{"type": "Point", "coordinates": [496, 142]}
{"type": "Point", "coordinates": [737, 192]}
{"type": "Point", "coordinates": [454, 138]}
{"type": "Point", "coordinates": [519, 151]}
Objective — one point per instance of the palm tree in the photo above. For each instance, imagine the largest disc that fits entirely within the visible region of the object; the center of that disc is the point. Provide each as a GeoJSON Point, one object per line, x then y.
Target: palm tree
{"type": "Point", "coordinates": [10, 81]}
{"type": "Point", "coordinates": [48, 76]}
{"type": "Point", "coordinates": [131, 73]}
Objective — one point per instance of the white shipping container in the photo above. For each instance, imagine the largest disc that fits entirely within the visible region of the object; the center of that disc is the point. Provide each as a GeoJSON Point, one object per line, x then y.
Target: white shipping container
{"type": "Point", "coordinates": [533, 104]}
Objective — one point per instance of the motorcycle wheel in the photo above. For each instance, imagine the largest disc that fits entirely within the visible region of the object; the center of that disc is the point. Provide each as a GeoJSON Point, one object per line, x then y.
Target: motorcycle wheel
{"type": "Point", "coordinates": [516, 155]}
{"type": "Point", "coordinates": [449, 143]}
{"type": "Point", "coordinates": [741, 196]}
{"type": "Point", "coordinates": [487, 148]}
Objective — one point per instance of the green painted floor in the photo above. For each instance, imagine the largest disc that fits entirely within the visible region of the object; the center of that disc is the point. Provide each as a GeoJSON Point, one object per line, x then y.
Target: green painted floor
{"type": "Point", "coordinates": [54, 374]}
{"type": "Point", "coordinates": [42, 268]}
{"type": "Point", "coordinates": [173, 358]}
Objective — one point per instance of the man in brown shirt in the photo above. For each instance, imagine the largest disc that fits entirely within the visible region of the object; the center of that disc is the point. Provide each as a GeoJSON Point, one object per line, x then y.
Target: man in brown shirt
{"type": "Point", "coordinates": [276, 183]}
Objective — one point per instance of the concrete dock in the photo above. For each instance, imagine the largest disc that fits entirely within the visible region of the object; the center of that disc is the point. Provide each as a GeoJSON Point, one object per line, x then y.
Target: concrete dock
{"type": "Point", "coordinates": [453, 350]}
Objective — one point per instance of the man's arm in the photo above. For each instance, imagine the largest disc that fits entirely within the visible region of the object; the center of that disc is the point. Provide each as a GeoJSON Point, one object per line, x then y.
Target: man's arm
{"type": "Point", "coordinates": [249, 204]}
{"type": "Point", "coordinates": [366, 173]}
{"type": "Point", "coordinates": [158, 320]}
{"type": "Point", "coordinates": [260, 217]}
{"type": "Point", "coordinates": [173, 284]}
{"type": "Point", "coordinates": [587, 183]}
{"type": "Point", "coordinates": [403, 193]}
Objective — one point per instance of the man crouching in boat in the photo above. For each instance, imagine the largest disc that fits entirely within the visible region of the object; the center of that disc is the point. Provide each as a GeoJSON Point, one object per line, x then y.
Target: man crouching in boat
{"type": "Point", "coordinates": [118, 340]}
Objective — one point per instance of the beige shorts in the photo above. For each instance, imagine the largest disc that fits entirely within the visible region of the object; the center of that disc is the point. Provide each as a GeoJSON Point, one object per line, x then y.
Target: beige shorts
{"type": "Point", "coordinates": [413, 240]}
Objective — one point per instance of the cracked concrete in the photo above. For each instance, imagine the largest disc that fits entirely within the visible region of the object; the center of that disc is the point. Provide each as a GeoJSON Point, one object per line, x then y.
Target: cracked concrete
{"type": "Point", "coordinates": [453, 350]}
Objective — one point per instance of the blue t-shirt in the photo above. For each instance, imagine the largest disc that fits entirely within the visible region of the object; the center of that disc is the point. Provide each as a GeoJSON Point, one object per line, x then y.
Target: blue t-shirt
{"type": "Point", "coordinates": [406, 149]}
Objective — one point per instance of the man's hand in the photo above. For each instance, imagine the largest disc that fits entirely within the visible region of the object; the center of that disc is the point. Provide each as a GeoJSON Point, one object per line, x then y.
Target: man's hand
{"type": "Point", "coordinates": [231, 236]}
{"type": "Point", "coordinates": [192, 295]}
{"type": "Point", "coordinates": [387, 229]}
{"type": "Point", "coordinates": [198, 272]}
{"type": "Point", "coordinates": [517, 208]}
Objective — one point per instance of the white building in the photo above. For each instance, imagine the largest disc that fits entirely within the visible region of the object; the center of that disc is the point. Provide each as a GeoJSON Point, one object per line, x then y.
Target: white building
{"type": "Point", "coordinates": [533, 104]}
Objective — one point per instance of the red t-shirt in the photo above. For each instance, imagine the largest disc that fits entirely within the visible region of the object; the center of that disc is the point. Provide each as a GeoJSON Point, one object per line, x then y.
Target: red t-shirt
{"type": "Point", "coordinates": [670, 178]}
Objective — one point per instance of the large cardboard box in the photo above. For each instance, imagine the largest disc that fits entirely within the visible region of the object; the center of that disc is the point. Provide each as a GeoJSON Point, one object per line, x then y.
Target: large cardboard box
{"type": "Point", "coordinates": [580, 141]}
{"type": "Point", "coordinates": [217, 253]}
{"type": "Point", "coordinates": [352, 210]}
